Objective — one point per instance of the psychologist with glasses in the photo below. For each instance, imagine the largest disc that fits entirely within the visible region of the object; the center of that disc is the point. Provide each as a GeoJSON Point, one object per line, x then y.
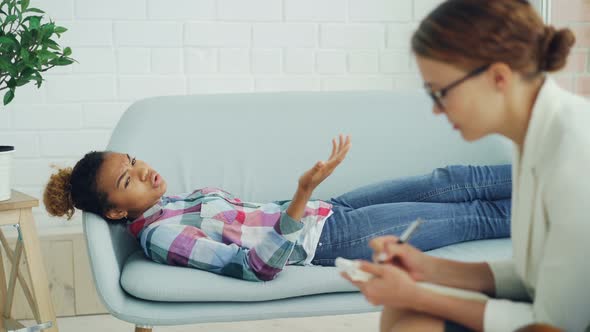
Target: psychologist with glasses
{"type": "Point", "coordinates": [485, 66]}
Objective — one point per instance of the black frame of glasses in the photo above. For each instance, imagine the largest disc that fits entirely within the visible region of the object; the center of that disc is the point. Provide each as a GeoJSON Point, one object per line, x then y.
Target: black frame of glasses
{"type": "Point", "coordinates": [438, 95]}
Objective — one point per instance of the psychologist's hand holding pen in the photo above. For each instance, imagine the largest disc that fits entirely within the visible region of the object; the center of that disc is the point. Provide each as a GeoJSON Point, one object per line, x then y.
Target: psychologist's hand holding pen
{"type": "Point", "coordinates": [393, 250]}
{"type": "Point", "coordinates": [396, 269]}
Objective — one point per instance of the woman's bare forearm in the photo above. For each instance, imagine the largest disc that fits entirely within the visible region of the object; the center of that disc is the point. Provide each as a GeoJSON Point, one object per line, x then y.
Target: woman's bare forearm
{"type": "Point", "coordinates": [472, 276]}
{"type": "Point", "coordinates": [469, 313]}
{"type": "Point", "coordinates": [297, 206]}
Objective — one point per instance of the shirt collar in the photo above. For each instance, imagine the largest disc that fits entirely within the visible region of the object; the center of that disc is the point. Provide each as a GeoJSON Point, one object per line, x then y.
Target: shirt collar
{"type": "Point", "coordinates": [542, 113]}
{"type": "Point", "coordinates": [149, 216]}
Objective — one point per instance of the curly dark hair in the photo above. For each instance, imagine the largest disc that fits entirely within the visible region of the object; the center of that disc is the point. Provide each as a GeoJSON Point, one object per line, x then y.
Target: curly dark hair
{"type": "Point", "coordinates": [77, 188]}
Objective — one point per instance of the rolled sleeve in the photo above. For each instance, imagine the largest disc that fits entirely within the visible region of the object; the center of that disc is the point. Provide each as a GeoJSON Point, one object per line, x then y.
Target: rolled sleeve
{"type": "Point", "coordinates": [288, 227]}
{"type": "Point", "coordinates": [505, 315]}
{"type": "Point", "coordinates": [507, 283]}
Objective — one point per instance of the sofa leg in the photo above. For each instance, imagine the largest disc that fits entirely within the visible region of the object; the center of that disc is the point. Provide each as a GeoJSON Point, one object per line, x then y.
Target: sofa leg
{"type": "Point", "coordinates": [143, 328]}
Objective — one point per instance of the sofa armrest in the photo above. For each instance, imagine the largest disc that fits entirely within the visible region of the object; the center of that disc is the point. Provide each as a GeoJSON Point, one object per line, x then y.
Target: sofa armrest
{"type": "Point", "coordinates": [108, 245]}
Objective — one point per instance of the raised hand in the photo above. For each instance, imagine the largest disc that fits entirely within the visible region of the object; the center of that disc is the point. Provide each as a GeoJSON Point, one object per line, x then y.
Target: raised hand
{"type": "Point", "coordinates": [322, 169]}
{"type": "Point", "coordinates": [318, 173]}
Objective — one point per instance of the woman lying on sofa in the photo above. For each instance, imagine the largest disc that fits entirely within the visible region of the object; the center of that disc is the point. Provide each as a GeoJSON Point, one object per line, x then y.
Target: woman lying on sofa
{"type": "Point", "coordinates": [212, 230]}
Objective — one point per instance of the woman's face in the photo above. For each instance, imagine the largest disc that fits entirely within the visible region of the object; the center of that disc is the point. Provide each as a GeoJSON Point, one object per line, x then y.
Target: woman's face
{"type": "Point", "coordinates": [472, 107]}
{"type": "Point", "coordinates": [131, 185]}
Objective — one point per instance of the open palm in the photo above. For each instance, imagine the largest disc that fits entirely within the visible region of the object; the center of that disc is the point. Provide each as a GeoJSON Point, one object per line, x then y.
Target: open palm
{"type": "Point", "coordinates": [322, 169]}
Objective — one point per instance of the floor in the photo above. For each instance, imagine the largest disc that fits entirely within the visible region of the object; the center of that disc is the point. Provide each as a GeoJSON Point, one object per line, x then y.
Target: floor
{"type": "Point", "coordinates": [344, 323]}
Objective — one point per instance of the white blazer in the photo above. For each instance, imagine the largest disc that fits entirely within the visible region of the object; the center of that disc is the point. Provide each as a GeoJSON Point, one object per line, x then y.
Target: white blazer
{"type": "Point", "coordinates": [550, 221]}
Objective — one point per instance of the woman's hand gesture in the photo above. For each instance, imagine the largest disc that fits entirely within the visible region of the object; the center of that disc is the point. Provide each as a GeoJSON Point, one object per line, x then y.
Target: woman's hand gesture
{"type": "Point", "coordinates": [322, 169]}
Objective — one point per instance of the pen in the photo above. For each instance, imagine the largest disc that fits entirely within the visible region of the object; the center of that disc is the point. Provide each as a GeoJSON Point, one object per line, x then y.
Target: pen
{"type": "Point", "coordinates": [409, 231]}
{"type": "Point", "coordinates": [405, 237]}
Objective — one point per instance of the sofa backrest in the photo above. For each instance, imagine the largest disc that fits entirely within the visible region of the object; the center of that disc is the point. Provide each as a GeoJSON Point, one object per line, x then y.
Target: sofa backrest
{"type": "Point", "coordinates": [257, 145]}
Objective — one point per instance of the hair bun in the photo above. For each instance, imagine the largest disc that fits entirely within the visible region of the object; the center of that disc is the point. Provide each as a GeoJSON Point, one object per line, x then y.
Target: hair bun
{"type": "Point", "coordinates": [555, 48]}
{"type": "Point", "coordinates": [57, 195]}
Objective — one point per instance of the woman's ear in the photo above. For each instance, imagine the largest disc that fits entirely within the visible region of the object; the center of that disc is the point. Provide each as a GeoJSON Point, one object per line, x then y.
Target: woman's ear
{"type": "Point", "coordinates": [501, 75]}
{"type": "Point", "coordinates": [116, 214]}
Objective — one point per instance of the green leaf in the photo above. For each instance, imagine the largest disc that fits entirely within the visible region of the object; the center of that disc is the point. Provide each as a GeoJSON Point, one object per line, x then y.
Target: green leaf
{"type": "Point", "coordinates": [5, 64]}
{"type": "Point", "coordinates": [64, 61]}
{"type": "Point", "coordinates": [10, 19]}
{"type": "Point", "coordinates": [10, 6]}
{"type": "Point", "coordinates": [24, 4]}
{"type": "Point", "coordinates": [26, 39]}
{"type": "Point", "coordinates": [6, 40]}
{"type": "Point", "coordinates": [28, 71]}
{"type": "Point", "coordinates": [34, 22]}
{"type": "Point", "coordinates": [52, 44]}
{"type": "Point", "coordinates": [8, 96]}
{"type": "Point", "coordinates": [35, 10]}
{"type": "Point", "coordinates": [48, 27]}
{"type": "Point", "coordinates": [10, 70]}
{"type": "Point", "coordinates": [45, 55]}
{"type": "Point", "coordinates": [23, 80]}
{"type": "Point", "coordinates": [27, 45]}
{"type": "Point", "coordinates": [11, 82]}
{"type": "Point", "coordinates": [24, 54]}
{"type": "Point", "coordinates": [38, 78]}
{"type": "Point", "coordinates": [60, 30]}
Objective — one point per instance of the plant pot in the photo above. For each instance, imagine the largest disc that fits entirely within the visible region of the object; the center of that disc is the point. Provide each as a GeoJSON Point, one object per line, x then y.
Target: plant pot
{"type": "Point", "coordinates": [6, 153]}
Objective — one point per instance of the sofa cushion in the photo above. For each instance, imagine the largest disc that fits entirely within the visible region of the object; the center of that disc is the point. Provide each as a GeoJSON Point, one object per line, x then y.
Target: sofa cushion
{"type": "Point", "coordinates": [148, 280]}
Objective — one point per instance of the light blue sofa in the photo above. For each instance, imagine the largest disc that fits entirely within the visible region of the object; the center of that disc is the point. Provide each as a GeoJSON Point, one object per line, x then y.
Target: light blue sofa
{"type": "Point", "coordinates": [256, 146]}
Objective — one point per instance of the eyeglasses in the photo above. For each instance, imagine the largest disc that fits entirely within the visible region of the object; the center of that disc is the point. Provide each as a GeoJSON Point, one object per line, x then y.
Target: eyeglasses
{"type": "Point", "coordinates": [437, 96]}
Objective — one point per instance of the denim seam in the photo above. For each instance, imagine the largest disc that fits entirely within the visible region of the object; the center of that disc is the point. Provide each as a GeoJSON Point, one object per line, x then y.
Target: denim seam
{"type": "Point", "coordinates": [458, 187]}
{"type": "Point", "coordinates": [341, 244]}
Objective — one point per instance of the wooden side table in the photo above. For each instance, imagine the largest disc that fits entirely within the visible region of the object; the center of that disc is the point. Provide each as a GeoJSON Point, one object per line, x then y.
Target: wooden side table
{"type": "Point", "coordinates": [17, 211]}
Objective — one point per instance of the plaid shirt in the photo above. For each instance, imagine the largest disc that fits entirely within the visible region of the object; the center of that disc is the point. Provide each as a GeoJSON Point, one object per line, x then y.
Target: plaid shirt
{"type": "Point", "coordinates": [211, 230]}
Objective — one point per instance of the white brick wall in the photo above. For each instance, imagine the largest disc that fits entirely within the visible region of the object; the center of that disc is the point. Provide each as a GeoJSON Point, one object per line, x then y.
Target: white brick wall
{"type": "Point", "coordinates": [148, 33]}
{"type": "Point", "coordinates": [315, 10]}
{"type": "Point", "coordinates": [363, 61]}
{"type": "Point", "coordinates": [134, 60]}
{"type": "Point", "coordinates": [285, 35]}
{"type": "Point", "coordinates": [181, 9]}
{"type": "Point", "coordinates": [110, 9]}
{"type": "Point", "coordinates": [218, 34]}
{"type": "Point", "coordinates": [49, 116]}
{"type": "Point", "coordinates": [127, 50]}
{"type": "Point", "coordinates": [353, 36]}
{"type": "Point", "coordinates": [267, 61]}
{"type": "Point", "coordinates": [299, 61]}
{"type": "Point", "coordinates": [94, 60]}
{"type": "Point", "coordinates": [331, 62]}
{"type": "Point", "coordinates": [380, 10]}
{"type": "Point", "coordinates": [234, 60]}
{"type": "Point", "coordinates": [250, 10]}
{"type": "Point", "coordinates": [201, 60]}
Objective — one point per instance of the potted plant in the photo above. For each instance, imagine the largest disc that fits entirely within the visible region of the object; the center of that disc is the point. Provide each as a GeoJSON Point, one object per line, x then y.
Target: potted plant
{"type": "Point", "coordinates": [27, 49]}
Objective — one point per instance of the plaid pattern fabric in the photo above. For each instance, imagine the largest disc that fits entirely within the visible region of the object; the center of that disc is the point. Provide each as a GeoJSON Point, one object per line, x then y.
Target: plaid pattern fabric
{"type": "Point", "coordinates": [209, 229]}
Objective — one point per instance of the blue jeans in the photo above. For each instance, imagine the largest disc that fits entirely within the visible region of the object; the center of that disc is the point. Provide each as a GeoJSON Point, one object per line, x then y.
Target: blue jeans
{"type": "Point", "coordinates": [457, 204]}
